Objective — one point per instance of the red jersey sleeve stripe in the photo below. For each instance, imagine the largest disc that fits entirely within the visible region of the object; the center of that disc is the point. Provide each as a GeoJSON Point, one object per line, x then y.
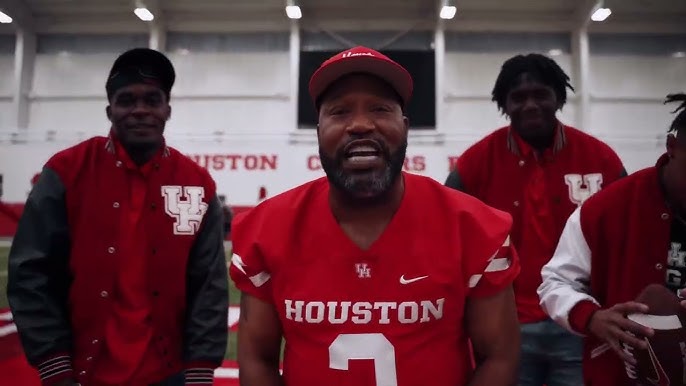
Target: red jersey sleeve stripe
{"type": "Point", "coordinates": [258, 280]}
{"type": "Point", "coordinates": [500, 261]}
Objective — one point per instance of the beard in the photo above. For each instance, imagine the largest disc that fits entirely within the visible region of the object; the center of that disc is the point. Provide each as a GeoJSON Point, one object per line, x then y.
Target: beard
{"type": "Point", "coordinates": [368, 186]}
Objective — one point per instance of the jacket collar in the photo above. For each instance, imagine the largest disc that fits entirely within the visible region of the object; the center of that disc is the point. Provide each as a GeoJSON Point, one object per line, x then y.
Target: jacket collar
{"type": "Point", "coordinates": [520, 148]}
{"type": "Point", "coordinates": [113, 142]}
{"type": "Point", "coordinates": [114, 147]}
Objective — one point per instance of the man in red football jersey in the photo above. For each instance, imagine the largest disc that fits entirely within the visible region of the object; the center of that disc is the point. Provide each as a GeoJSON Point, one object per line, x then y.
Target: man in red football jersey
{"type": "Point", "coordinates": [624, 238]}
{"type": "Point", "coordinates": [539, 170]}
{"type": "Point", "coordinates": [117, 273]}
{"type": "Point", "coordinates": [374, 277]}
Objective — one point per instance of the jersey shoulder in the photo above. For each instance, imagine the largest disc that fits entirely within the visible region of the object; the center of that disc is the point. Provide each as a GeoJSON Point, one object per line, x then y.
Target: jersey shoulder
{"type": "Point", "coordinates": [463, 212]}
{"type": "Point", "coordinates": [277, 214]}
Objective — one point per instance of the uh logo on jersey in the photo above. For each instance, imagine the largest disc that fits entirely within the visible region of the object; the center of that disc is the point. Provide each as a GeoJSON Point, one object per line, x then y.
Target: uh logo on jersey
{"type": "Point", "coordinates": [583, 186]}
{"type": "Point", "coordinates": [188, 211]}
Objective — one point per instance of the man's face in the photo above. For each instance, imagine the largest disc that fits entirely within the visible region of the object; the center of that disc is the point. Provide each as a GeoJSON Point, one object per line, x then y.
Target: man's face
{"type": "Point", "coordinates": [531, 106]}
{"type": "Point", "coordinates": [362, 136]}
{"type": "Point", "coordinates": [676, 149]}
{"type": "Point", "coordinates": [138, 113]}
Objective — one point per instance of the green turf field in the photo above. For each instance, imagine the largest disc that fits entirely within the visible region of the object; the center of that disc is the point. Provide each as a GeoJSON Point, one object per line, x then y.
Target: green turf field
{"type": "Point", "coordinates": [234, 296]}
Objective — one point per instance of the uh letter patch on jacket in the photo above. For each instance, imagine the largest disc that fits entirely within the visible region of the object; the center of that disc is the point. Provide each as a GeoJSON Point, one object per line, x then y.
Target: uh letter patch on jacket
{"type": "Point", "coordinates": [187, 210]}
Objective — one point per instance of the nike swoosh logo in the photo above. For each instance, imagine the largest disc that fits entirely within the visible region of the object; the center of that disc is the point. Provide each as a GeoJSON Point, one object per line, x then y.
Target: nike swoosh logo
{"type": "Point", "coordinates": [661, 378]}
{"type": "Point", "coordinates": [408, 281]}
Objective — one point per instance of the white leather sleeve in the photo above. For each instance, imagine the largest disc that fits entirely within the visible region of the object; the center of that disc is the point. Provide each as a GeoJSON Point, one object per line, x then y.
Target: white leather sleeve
{"type": "Point", "coordinates": [567, 275]}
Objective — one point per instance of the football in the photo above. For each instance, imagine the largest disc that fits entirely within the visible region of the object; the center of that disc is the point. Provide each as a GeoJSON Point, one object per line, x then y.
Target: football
{"type": "Point", "coordinates": [664, 362]}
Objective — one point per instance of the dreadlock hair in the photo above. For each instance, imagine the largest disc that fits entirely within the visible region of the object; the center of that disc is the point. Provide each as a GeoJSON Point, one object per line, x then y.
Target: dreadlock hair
{"type": "Point", "coordinates": [679, 122]}
{"type": "Point", "coordinates": [540, 67]}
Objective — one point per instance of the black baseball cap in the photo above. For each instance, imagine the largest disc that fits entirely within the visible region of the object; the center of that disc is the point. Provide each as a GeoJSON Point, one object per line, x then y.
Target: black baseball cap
{"type": "Point", "coordinates": [141, 65]}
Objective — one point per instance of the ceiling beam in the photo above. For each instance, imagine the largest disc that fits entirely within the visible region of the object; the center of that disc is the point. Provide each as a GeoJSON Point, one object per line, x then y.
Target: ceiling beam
{"type": "Point", "coordinates": [643, 27]}
{"type": "Point", "coordinates": [20, 12]}
{"type": "Point", "coordinates": [157, 28]}
{"type": "Point", "coordinates": [584, 10]}
{"type": "Point", "coordinates": [156, 9]}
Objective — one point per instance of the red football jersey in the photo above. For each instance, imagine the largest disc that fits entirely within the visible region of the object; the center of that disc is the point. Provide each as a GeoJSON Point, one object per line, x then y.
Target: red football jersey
{"type": "Point", "coordinates": [391, 315]}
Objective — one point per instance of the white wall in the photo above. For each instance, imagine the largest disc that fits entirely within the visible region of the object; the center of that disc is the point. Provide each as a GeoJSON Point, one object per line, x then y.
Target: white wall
{"type": "Point", "coordinates": [6, 89]}
{"type": "Point", "coordinates": [215, 92]}
{"type": "Point", "coordinates": [232, 92]}
{"type": "Point", "coordinates": [627, 107]}
{"type": "Point", "coordinates": [628, 93]}
{"type": "Point", "coordinates": [469, 78]}
{"type": "Point", "coordinates": [232, 102]}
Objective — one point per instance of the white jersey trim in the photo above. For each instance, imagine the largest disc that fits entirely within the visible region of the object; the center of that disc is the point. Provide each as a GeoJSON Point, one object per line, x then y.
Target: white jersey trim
{"type": "Point", "coordinates": [494, 265]}
{"type": "Point", "coordinates": [257, 280]}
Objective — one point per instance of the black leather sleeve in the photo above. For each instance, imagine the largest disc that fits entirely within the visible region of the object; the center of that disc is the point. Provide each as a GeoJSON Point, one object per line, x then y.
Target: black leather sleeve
{"type": "Point", "coordinates": [39, 279]}
{"type": "Point", "coordinates": [454, 181]}
{"type": "Point", "coordinates": [623, 173]}
{"type": "Point", "coordinates": [206, 331]}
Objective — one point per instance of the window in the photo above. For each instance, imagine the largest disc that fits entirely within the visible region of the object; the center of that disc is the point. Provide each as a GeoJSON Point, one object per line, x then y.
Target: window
{"type": "Point", "coordinates": [412, 51]}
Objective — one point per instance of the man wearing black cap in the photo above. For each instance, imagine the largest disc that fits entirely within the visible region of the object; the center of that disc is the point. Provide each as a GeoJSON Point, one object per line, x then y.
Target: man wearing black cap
{"type": "Point", "coordinates": [373, 276]}
{"type": "Point", "coordinates": [117, 273]}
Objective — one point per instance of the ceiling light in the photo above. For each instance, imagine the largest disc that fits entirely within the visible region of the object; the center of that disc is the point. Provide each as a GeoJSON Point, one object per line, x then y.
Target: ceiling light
{"type": "Point", "coordinates": [555, 52]}
{"type": "Point", "coordinates": [448, 12]}
{"type": "Point", "coordinates": [4, 18]}
{"type": "Point", "coordinates": [679, 54]}
{"type": "Point", "coordinates": [293, 12]}
{"type": "Point", "coordinates": [144, 14]}
{"type": "Point", "coordinates": [601, 14]}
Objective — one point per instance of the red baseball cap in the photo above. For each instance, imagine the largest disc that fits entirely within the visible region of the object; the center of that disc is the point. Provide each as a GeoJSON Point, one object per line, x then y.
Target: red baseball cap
{"type": "Point", "coordinates": [361, 60]}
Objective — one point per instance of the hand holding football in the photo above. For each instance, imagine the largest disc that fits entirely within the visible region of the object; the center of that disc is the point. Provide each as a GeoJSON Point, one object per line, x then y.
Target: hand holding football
{"type": "Point", "coordinates": [663, 362]}
{"type": "Point", "coordinates": [612, 326]}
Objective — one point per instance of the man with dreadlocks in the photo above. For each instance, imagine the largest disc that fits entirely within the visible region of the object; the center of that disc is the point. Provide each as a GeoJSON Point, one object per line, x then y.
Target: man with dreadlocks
{"type": "Point", "coordinates": [622, 239]}
{"type": "Point", "coordinates": [539, 170]}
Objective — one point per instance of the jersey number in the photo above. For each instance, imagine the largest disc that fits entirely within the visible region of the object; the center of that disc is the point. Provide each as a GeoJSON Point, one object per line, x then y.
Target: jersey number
{"type": "Point", "coordinates": [365, 346]}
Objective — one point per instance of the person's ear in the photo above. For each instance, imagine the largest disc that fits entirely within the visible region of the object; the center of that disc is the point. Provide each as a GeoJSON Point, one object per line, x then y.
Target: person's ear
{"type": "Point", "coordinates": [671, 144]}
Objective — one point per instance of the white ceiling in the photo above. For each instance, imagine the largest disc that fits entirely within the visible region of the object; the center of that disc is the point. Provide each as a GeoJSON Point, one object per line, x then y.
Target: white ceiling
{"type": "Point", "coordinates": [111, 16]}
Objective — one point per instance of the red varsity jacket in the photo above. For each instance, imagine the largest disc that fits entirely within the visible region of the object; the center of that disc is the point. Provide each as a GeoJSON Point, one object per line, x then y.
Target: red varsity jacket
{"type": "Point", "coordinates": [540, 194]}
{"type": "Point", "coordinates": [62, 263]}
{"type": "Point", "coordinates": [612, 247]}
